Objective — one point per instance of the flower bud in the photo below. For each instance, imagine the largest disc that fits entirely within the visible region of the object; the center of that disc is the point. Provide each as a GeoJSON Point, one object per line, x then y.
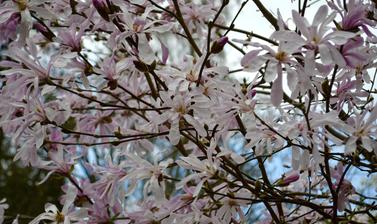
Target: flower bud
{"type": "Point", "coordinates": [112, 84]}
{"type": "Point", "coordinates": [289, 179]}
{"type": "Point", "coordinates": [102, 8]}
{"type": "Point", "coordinates": [218, 45]}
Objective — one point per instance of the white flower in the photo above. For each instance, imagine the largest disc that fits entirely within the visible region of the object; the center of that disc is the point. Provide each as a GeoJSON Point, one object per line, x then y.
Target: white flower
{"type": "Point", "coordinates": [154, 173]}
{"type": "Point", "coordinates": [67, 215]}
{"type": "Point", "coordinates": [362, 128]}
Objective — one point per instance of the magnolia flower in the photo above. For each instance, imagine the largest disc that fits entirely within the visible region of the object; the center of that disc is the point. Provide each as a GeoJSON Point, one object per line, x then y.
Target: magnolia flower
{"type": "Point", "coordinates": [231, 208]}
{"type": "Point", "coordinates": [100, 122]}
{"type": "Point", "coordinates": [180, 107]}
{"type": "Point", "coordinates": [205, 169]}
{"type": "Point", "coordinates": [23, 8]}
{"type": "Point", "coordinates": [262, 138]}
{"type": "Point", "coordinates": [361, 127]}
{"type": "Point", "coordinates": [69, 214]}
{"type": "Point", "coordinates": [111, 179]}
{"type": "Point", "coordinates": [60, 163]}
{"type": "Point", "coordinates": [149, 212]}
{"type": "Point", "coordinates": [185, 77]}
{"type": "Point", "coordinates": [140, 169]}
{"type": "Point", "coordinates": [195, 16]}
{"type": "Point", "coordinates": [109, 70]}
{"type": "Point", "coordinates": [28, 65]}
{"type": "Point", "coordinates": [186, 201]}
{"type": "Point", "coordinates": [353, 52]}
{"type": "Point", "coordinates": [29, 144]}
{"type": "Point", "coordinates": [70, 38]}
{"type": "Point", "coordinates": [318, 37]}
{"type": "Point", "coordinates": [137, 25]}
{"type": "Point", "coordinates": [277, 60]}
{"type": "Point", "coordinates": [348, 93]}
{"type": "Point", "coordinates": [355, 16]}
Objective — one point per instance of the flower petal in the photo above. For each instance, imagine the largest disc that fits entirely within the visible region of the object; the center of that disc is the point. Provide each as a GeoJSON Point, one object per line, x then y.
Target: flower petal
{"type": "Point", "coordinates": [277, 91]}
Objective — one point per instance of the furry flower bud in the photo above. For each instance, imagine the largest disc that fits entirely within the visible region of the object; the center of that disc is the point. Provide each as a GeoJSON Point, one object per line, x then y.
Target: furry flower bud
{"type": "Point", "coordinates": [218, 45]}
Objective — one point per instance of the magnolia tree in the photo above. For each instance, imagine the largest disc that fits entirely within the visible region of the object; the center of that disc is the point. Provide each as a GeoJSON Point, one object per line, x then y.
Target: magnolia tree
{"type": "Point", "coordinates": [90, 93]}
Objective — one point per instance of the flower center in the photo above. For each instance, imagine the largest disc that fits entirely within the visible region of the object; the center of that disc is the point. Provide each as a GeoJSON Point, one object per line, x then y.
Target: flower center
{"type": "Point", "coordinates": [191, 76]}
{"type": "Point", "coordinates": [22, 4]}
{"type": "Point", "coordinates": [181, 109]}
{"type": "Point", "coordinates": [281, 56]}
{"type": "Point", "coordinates": [232, 203]}
{"type": "Point", "coordinates": [359, 133]}
{"type": "Point", "coordinates": [316, 40]}
{"type": "Point", "coordinates": [59, 217]}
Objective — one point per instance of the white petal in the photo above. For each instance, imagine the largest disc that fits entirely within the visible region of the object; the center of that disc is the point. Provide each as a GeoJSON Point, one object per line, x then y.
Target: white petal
{"type": "Point", "coordinates": [6, 13]}
{"type": "Point", "coordinates": [198, 188]}
{"type": "Point", "coordinates": [292, 79]}
{"type": "Point", "coordinates": [337, 57]}
{"type": "Point", "coordinates": [325, 54]}
{"type": "Point", "coordinates": [301, 23]}
{"type": "Point", "coordinates": [295, 158]}
{"type": "Point", "coordinates": [277, 91]}
{"type": "Point", "coordinates": [367, 143]}
{"type": "Point", "coordinates": [198, 126]}
{"type": "Point", "coordinates": [46, 177]}
{"type": "Point", "coordinates": [70, 198]}
{"type": "Point", "coordinates": [321, 15]}
{"type": "Point", "coordinates": [174, 134]}
{"type": "Point", "coordinates": [339, 37]}
{"type": "Point", "coordinates": [47, 89]}
{"type": "Point", "coordinates": [250, 58]}
{"type": "Point", "coordinates": [289, 36]}
{"type": "Point", "coordinates": [271, 71]}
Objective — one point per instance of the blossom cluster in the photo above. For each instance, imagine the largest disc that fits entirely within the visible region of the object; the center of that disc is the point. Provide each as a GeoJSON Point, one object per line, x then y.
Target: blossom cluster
{"type": "Point", "coordinates": [129, 101]}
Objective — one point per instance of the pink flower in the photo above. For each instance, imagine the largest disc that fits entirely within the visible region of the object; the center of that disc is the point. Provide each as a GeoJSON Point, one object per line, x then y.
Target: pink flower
{"type": "Point", "coordinates": [71, 38]}
{"type": "Point", "coordinates": [355, 16]}
{"type": "Point", "coordinates": [100, 122]}
{"type": "Point", "coordinates": [349, 93]}
{"type": "Point", "coordinates": [353, 52]}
